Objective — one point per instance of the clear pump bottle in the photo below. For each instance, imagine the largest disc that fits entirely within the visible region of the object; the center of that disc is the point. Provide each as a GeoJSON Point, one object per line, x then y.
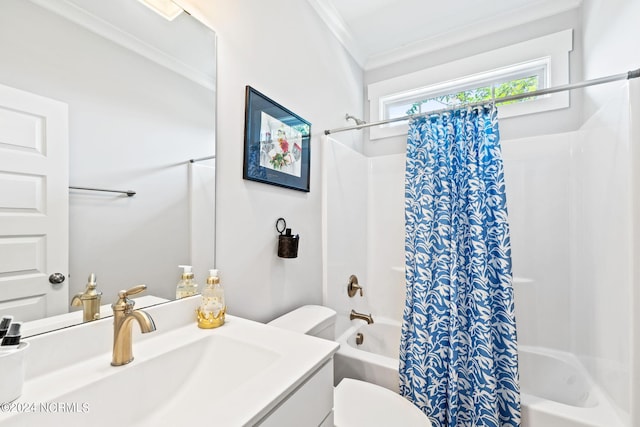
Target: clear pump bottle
{"type": "Point", "coordinates": [213, 308]}
{"type": "Point", "coordinates": [187, 285]}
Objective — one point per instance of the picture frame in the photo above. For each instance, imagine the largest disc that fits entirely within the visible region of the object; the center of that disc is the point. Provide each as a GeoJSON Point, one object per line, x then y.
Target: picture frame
{"type": "Point", "coordinates": [276, 143]}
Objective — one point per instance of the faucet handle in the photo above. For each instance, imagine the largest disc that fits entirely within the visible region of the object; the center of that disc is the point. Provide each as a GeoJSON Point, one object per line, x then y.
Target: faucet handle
{"type": "Point", "coordinates": [123, 302]}
{"type": "Point", "coordinates": [353, 287]}
{"type": "Point", "coordinates": [135, 290]}
{"type": "Point", "coordinates": [76, 301]}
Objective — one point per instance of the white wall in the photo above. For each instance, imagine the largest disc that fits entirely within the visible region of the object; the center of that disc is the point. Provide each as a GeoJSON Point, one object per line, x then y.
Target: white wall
{"type": "Point", "coordinates": [611, 34]}
{"type": "Point", "coordinates": [282, 49]}
{"type": "Point", "coordinates": [132, 125]}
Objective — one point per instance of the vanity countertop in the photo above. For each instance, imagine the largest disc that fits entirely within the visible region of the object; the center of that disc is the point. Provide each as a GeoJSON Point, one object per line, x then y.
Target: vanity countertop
{"type": "Point", "coordinates": [233, 375]}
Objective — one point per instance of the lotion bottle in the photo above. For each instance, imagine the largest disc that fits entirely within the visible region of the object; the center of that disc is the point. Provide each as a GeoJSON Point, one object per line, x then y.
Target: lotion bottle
{"type": "Point", "coordinates": [187, 285]}
{"type": "Point", "coordinates": [213, 308]}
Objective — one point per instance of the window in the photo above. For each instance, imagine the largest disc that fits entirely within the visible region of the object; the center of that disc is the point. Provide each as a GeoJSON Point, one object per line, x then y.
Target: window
{"type": "Point", "coordinates": [516, 69]}
{"type": "Point", "coordinates": [513, 80]}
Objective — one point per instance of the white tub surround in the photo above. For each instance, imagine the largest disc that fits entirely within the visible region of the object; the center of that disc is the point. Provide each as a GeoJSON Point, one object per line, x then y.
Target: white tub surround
{"type": "Point", "coordinates": [556, 390]}
{"type": "Point", "coordinates": [240, 374]}
{"type": "Point", "coordinates": [376, 360]}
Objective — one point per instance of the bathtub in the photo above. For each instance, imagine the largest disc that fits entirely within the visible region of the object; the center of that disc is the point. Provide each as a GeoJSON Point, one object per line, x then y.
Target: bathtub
{"type": "Point", "coordinates": [555, 390]}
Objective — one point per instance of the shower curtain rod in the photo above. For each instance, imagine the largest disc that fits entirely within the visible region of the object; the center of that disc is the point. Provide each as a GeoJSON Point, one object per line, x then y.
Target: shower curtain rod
{"type": "Point", "coordinates": [202, 158]}
{"type": "Point", "coordinates": [615, 77]}
{"type": "Point", "coordinates": [129, 193]}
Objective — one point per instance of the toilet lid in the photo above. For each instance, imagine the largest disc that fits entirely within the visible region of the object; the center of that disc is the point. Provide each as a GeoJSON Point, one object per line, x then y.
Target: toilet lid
{"type": "Point", "coordinates": [308, 319]}
{"type": "Point", "coordinates": [358, 403]}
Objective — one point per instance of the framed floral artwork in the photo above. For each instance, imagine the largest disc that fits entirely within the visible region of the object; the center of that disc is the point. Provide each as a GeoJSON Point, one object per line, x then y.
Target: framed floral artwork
{"type": "Point", "coordinates": [276, 143]}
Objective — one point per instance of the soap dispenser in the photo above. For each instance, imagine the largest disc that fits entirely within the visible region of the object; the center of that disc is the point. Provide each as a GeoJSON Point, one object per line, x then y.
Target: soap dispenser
{"type": "Point", "coordinates": [187, 285]}
{"type": "Point", "coordinates": [89, 300]}
{"type": "Point", "coordinates": [211, 311]}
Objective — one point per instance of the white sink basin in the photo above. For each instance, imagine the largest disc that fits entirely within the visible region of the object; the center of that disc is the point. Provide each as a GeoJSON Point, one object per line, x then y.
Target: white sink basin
{"type": "Point", "coordinates": [157, 387]}
{"type": "Point", "coordinates": [233, 375]}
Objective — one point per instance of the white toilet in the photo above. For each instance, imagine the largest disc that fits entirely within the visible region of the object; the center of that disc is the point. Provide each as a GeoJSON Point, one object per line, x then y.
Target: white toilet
{"type": "Point", "coordinates": [355, 403]}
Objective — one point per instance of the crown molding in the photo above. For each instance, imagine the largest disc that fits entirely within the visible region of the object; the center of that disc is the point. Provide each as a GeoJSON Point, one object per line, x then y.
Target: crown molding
{"type": "Point", "coordinates": [510, 19]}
{"type": "Point", "coordinates": [74, 13]}
{"type": "Point", "coordinates": [332, 19]}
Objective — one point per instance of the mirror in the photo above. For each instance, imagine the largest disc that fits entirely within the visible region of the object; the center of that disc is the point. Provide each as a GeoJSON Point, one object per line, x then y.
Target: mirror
{"type": "Point", "coordinates": [140, 91]}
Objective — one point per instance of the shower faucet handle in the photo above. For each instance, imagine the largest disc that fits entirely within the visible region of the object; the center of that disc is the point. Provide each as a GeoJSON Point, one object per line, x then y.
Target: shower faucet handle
{"type": "Point", "coordinates": [353, 287]}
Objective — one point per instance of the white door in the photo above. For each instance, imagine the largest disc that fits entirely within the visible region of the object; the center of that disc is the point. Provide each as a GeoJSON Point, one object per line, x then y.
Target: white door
{"type": "Point", "coordinates": [34, 205]}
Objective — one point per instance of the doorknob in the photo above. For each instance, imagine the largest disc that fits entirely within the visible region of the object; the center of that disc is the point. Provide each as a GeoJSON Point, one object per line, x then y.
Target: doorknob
{"type": "Point", "coordinates": [56, 278]}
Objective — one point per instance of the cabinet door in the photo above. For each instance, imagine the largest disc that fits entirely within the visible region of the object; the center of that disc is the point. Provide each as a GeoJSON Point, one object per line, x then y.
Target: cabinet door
{"type": "Point", "coordinates": [311, 404]}
{"type": "Point", "coordinates": [34, 205]}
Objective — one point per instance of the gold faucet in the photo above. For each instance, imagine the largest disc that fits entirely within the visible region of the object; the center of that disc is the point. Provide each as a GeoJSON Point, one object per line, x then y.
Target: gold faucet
{"type": "Point", "coordinates": [89, 300]}
{"type": "Point", "coordinates": [356, 315]}
{"type": "Point", "coordinates": [123, 317]}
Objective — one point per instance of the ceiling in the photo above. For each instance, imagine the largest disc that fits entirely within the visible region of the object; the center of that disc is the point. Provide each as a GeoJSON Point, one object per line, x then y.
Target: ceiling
{"type": "Point", "coordinates": [380, 32]}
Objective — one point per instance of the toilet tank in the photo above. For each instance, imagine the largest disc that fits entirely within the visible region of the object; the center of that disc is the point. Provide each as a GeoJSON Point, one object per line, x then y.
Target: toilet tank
{"type": "Point", "coordinates": [315, 320]}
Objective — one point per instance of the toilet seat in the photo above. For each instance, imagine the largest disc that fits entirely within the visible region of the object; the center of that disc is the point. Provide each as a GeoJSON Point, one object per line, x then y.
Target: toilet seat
{"type": "Point", "coordinates": [358, 403]}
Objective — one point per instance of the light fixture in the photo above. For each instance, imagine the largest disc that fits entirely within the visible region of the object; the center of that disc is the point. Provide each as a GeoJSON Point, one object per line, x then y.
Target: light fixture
{"type": "Point", "coordinates": [166, 8]}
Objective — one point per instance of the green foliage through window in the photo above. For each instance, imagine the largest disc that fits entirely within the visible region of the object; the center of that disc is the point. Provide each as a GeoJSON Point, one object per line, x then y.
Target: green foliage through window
{"type": "Point", "coordinates": [486, 93]}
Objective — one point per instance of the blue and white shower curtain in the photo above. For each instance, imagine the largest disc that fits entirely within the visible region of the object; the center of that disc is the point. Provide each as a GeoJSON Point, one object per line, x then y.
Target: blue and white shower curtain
{"type": "Point", "coordinates": [458, 353]}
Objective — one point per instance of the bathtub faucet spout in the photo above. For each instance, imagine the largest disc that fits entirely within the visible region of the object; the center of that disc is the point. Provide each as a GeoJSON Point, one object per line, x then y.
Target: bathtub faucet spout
{"type": "Point", "coordinates": [365, 317]}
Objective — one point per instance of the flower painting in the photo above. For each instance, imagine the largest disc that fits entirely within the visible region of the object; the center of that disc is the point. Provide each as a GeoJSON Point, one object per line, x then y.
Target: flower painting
{"type": "Point", "coordinates": [276, 144]}
{"type": "Point", "coordinates": [280, 146]}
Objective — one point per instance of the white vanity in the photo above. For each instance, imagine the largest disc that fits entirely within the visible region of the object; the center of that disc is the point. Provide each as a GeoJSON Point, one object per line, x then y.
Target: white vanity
{"type": "Point", "coordinates": [242, 374]}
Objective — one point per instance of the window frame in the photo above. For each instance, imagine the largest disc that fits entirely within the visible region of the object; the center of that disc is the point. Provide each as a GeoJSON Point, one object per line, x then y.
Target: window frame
{"type": "Point", "coordinates": [552, 50]}
{"type": "Point", "coordinates": [492, 78]}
